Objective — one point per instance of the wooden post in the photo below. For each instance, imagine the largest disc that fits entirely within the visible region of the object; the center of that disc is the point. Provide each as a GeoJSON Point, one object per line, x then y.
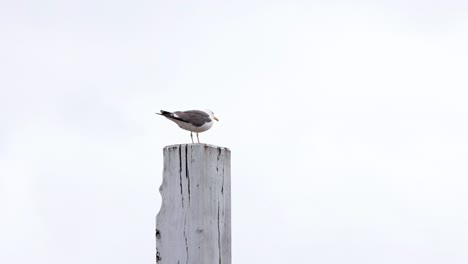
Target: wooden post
{"type": "Point", "coordinates": [194, 223]}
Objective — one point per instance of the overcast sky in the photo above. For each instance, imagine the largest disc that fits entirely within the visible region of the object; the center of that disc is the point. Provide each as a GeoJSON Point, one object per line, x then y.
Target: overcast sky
{"type": "Point", "coordinates": [347, 123]}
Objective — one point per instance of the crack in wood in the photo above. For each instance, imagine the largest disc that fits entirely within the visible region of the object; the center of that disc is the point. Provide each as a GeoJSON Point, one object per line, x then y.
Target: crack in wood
{"type": "Point", "coordinates": [187, 170]}
{"type": "Point", "coordinates": [180, 175]}
{"type": "Point", "coordinates": [217, 159]}
{"type": "Point", "coordinates": [158, 257]}
{"type": "Point", "coordinates": [222, 185]}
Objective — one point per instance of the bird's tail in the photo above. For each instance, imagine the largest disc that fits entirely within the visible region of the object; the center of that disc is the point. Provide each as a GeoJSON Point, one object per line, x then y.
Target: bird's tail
{"type": "Point", "coordinates": [165, 113]}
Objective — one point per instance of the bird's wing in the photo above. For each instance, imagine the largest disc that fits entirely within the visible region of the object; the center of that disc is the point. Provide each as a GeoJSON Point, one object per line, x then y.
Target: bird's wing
{"type": "Point", "coordinates": [195, 117]}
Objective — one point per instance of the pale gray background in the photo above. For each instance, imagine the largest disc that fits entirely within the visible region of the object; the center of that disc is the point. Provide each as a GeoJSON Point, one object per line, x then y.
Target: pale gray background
{"type": "Point", "coordinates": [347, 121]}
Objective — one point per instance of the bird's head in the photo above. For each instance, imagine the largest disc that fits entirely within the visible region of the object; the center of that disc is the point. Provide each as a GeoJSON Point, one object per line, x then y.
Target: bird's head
{"type": "Point", "coordinates": [212, 116]}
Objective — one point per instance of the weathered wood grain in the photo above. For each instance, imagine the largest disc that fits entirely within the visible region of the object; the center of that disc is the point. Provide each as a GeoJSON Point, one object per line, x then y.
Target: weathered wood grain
{"type": "Point", "coordinates": [194, 223]}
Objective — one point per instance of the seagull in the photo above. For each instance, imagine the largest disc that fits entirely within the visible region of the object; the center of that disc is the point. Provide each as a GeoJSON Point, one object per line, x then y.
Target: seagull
{"type": "Point", "coordinates": [193, 120]}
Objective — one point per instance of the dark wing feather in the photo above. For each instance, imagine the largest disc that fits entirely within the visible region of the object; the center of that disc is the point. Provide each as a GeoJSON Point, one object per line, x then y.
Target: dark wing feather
{"type": "Point", "coordinates": [169, 115]}
{"type": "Point", "coordinates": [194, 117]}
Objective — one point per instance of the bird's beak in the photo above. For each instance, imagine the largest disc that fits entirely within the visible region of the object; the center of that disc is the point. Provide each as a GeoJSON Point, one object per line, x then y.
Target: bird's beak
{"type": "Point", "coordinates": [215, 118]}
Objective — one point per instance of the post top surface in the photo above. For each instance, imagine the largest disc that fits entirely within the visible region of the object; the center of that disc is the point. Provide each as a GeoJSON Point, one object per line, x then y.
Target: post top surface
{"type": "Point", "coordinates": [196, 145]}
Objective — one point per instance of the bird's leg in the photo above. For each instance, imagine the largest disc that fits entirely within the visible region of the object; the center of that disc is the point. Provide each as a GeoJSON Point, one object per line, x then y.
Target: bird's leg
{"type": "Point", "coordinates": [191, 136]}
{"type": "Point", "coordinates": [198, 138]}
